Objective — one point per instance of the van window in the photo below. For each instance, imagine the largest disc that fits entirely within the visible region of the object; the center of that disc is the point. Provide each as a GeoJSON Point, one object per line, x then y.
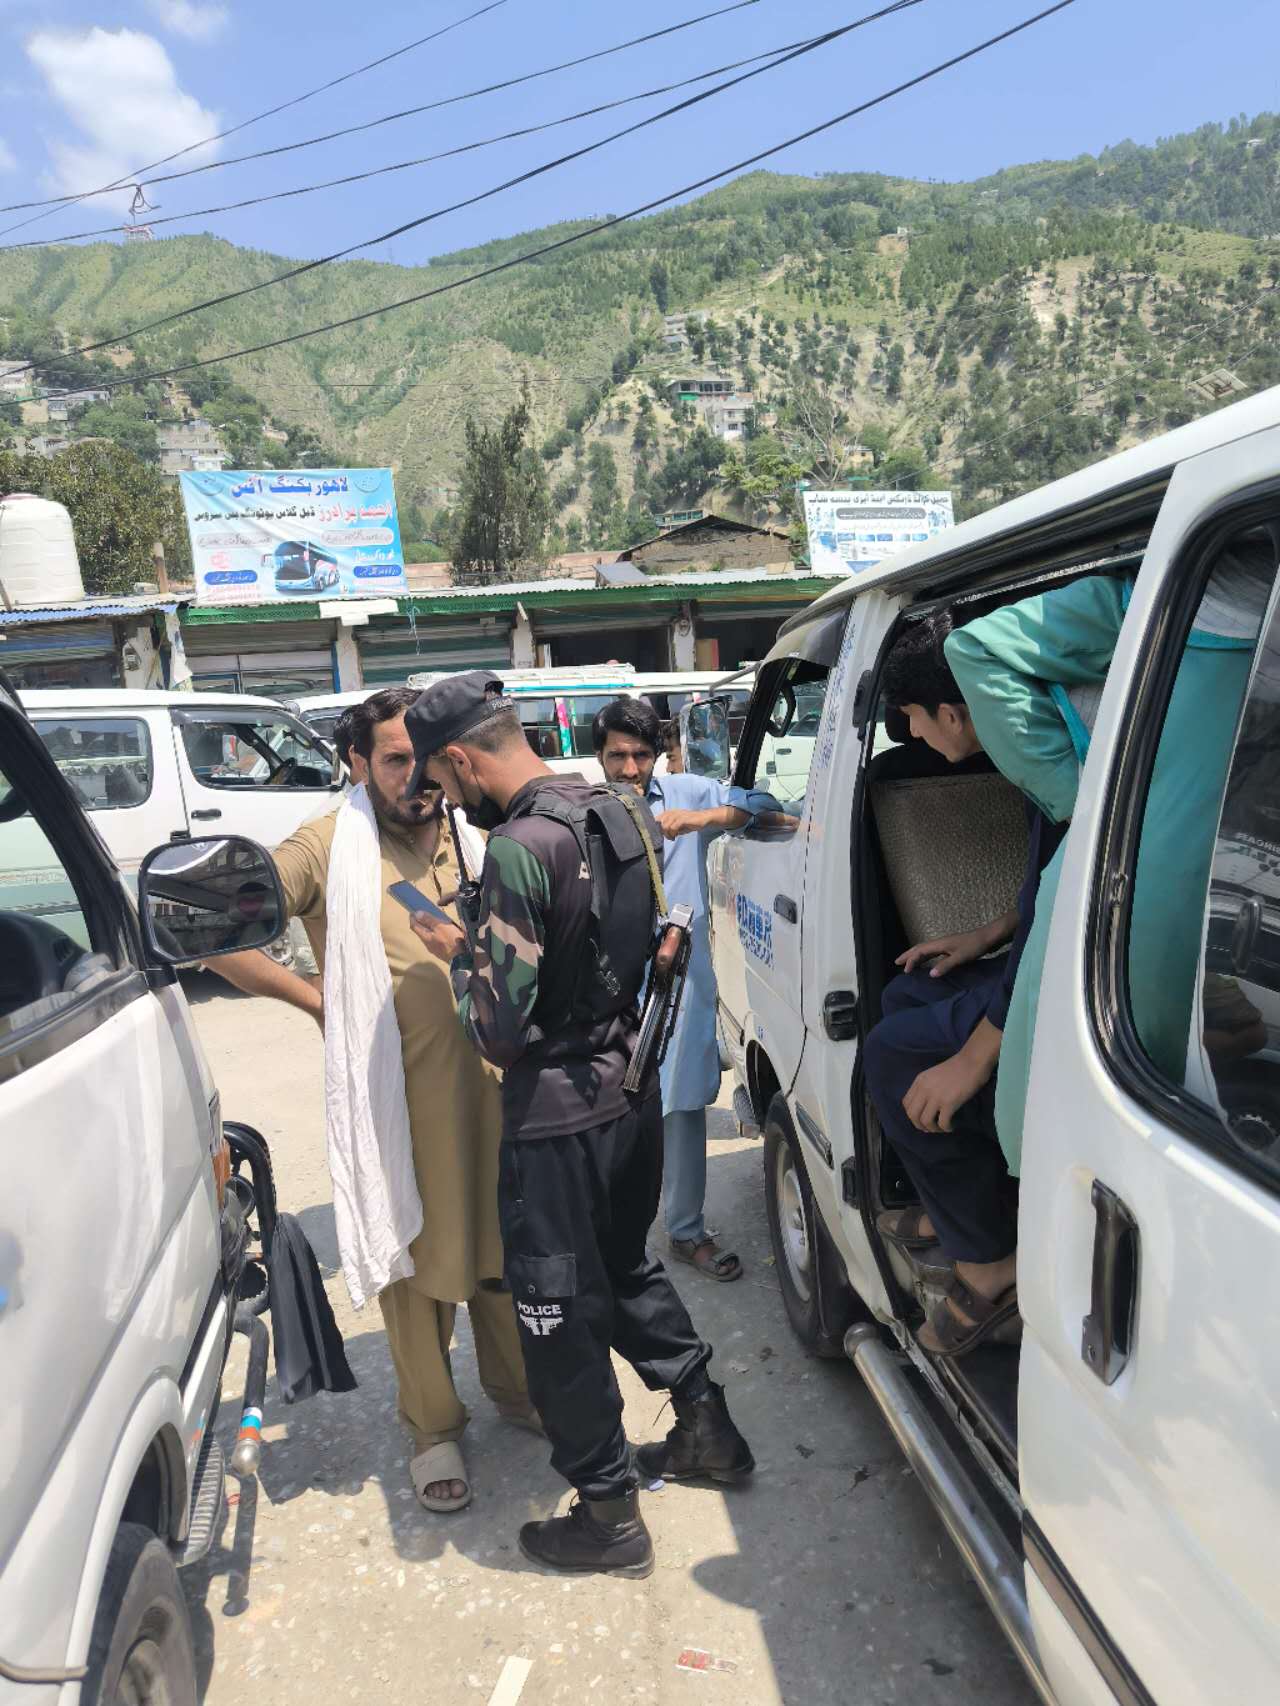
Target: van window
{"type": "Point", "coordinates": [541, 727]}
{"type": "Point", "coordinates": [44, 931]}
{"type": "Point", "coordinates": [582, 712]}
{"type": "Point", "coordinates": [1203, 974]}
{"type": "Point", "coordinates": [252, 750]}
{"type": "Point", "coordinates": [107, 760]}
{"type": "Point", "coordinates": [791, 734]}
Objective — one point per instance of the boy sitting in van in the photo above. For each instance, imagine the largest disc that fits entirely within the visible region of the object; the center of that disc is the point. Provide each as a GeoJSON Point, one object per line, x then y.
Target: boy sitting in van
{"type": "Point", "coordinates": [936, 1047]}
{"type": "Point", "coordinates": [1032, 674]}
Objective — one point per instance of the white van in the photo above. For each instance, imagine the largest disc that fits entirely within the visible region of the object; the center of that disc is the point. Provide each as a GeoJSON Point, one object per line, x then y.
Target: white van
{"type": "Point", "coordinates": [1114, 1482]}
{"type": "Point", "coordinates": [150, 766]}
{"type": "Point", "coordinates": [558, 706]}
{"type": "Point", "coordinates": [123, 1230]}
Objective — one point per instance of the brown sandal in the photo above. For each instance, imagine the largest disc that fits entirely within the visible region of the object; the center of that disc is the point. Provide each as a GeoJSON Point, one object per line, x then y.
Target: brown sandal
{"type": "Point", "coordinates": [707, 1257]}
{"type": "Point", "coordinates": [901, 1227]}
{"type": "Point", "coordinates": [946, 1334]}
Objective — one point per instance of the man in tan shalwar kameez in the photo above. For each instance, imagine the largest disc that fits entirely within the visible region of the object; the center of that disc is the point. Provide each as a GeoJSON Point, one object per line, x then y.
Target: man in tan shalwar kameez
{"type": "Point", "coordinates": [454, 1099]}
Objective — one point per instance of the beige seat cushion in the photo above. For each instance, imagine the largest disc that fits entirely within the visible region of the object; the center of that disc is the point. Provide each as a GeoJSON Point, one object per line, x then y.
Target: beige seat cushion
{"type": "Point", "coordinates": [955, 848]}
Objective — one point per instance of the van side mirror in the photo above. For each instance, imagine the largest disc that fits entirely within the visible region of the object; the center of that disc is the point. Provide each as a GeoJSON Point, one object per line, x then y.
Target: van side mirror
{"type": "Point", "coordinates": [704, 738]}
{"type": "Point", "coordinates": [199, 899]}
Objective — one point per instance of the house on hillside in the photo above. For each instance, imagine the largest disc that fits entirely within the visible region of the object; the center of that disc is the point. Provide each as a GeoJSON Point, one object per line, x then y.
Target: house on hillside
{"type": "Point", "coordinates": [190, 447]}
{"type": "Point", "coordinates": [699, 390]}
{"type": "Point", "coordinates": [712, 541]}
{"type": "Point", "coordinates": [727, 417]}
{"type": "Point", "coordinates": [675, 330]}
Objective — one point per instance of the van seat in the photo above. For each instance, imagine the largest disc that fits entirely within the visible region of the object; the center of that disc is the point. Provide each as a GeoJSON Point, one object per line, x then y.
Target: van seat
{"type": "Point", "coordinates": [954, 848]}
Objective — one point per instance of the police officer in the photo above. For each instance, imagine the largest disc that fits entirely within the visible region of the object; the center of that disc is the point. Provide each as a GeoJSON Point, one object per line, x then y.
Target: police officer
{"type": "Point", "coordinates": [580, 1171]}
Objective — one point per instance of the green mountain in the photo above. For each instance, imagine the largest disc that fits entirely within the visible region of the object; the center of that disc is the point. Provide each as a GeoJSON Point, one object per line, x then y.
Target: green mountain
{"type": "Point", "coordinates": [990, 335]}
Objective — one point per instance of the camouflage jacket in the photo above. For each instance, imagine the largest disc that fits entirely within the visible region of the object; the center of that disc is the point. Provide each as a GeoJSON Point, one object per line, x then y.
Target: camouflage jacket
{"type": "Point", "coordinates": [514, 993]}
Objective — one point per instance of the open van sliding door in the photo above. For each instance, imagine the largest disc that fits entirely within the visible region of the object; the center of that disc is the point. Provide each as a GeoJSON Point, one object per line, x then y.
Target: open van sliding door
{"type": "Point", "coordinates": [822, 1099]}
{"type": "Point", "coordinates": [1149, 1259]}
{"type": "Point", "coordinates": [756, 875]}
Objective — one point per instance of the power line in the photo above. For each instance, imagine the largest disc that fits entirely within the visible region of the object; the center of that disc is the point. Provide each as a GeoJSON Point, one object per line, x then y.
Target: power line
{"type": "Point", "coordinates": [425, 159]}
{"type": "Point", "coordinates": [386, 118]}
{"type": "Point", "coordinates": [601, 225]}
{"type": "Point", "coordinates": [496, 189]}
{"type": "Point", "coordinates": [232, 130]}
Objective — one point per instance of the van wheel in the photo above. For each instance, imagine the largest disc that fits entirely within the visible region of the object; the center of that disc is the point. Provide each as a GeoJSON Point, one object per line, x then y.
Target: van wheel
{"type": "Point", "coordinates": [819, 1303]}
{"type": "Point", "coordinates": [141, 1653]}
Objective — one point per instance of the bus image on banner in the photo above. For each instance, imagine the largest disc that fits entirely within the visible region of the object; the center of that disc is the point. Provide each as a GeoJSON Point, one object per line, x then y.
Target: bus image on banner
{"type": "Point", "coordinates": [299, 567]}
{"type": "Point", "coordinates": [851, 531]}
{"type": "Point", "coordinates": [263, 537]}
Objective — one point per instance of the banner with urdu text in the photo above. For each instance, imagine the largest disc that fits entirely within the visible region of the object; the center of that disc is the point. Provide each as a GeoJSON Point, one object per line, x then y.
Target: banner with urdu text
{"type": "Point", "coordinates": [266, 538]}
{"type": "Point", "coordinates": [849, 531]}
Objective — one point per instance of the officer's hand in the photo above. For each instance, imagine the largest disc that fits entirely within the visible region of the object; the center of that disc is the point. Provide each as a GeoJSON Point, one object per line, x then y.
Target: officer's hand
{"type": "Point", "coordinates": [440, 938]}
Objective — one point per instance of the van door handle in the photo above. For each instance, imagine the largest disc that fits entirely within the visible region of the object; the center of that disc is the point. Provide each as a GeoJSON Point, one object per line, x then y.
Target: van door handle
{"type": "Point", "coordinates": [1109, 1326]}
{"type": "Point", "coordinates": [785, 907]}
{"type": "Point", "coordinates": [207, 813]}
{"type": "Point", "coordinates": [1244, 934]}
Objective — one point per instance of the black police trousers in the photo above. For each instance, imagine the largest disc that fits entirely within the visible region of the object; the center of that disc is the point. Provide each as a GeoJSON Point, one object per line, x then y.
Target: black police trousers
{"type": "Point", "coordinates": [574, 1211]}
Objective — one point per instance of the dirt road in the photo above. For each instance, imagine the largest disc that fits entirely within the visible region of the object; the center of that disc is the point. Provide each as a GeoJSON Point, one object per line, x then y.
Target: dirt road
{"type": "Point", "coordinates": [827, 1580]}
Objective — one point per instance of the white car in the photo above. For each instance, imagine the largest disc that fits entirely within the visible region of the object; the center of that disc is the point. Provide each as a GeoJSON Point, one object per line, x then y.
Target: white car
{"type": "Point", "coordinates": [151, 766]}
{"type": "Point", "coordinates": [122, 1230]}
{"type": "Point", "coordinates": [1114, 1482]}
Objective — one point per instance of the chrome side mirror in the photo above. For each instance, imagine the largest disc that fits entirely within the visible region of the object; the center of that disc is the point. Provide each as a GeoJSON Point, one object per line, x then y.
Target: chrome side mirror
{"type": "Point", "coordinates": [200, 899]}
{"type": "Point", "coordinates": [704, 738]}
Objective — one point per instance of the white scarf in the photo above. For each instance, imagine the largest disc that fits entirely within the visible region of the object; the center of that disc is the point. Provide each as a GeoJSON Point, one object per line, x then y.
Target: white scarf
{"type": "Point", "coordinates": [375, 1192]}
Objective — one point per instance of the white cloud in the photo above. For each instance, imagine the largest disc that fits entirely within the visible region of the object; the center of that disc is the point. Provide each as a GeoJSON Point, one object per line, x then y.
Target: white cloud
{"type": "Point", "coordinates": [191, 18]}
{"type": "Point", "coordinates": [119, 88]}
{"type": "Point", "coordinates": [8, 162]}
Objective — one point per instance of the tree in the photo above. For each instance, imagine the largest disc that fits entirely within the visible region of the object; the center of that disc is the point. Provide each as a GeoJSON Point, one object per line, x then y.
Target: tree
{"type": "Point", "coordinates": [504, 508]}
{"type": "Point", "coordinates": [764, 476]}
{"type": "Point", "coordinates": [602, 487]}
{"type": "Point", "coordinates": [660, 284]}
{"type": "Point", "coordinates": [119, 509]}
{"type": "Point", "coordinates": [124, 421]}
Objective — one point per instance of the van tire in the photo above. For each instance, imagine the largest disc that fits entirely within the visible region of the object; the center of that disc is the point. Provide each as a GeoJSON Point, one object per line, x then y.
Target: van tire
{"type": "Point", "coordinates": [819, 1303]}
{"type": "Point", "coordinates": [142, 1629]}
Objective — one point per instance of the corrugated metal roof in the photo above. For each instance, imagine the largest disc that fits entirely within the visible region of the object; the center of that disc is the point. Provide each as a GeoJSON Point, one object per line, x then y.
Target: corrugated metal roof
{"type": "Point", "coordinates": [88, 610]}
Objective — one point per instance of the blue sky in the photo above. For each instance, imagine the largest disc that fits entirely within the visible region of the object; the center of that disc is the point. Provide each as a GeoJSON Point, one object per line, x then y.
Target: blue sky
{"type": "Point", "coordinates": [92, 93]}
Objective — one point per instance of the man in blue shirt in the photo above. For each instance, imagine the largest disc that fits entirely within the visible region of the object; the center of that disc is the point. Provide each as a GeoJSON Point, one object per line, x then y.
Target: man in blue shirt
{"type": "Point", "coordinates": [691, 811]}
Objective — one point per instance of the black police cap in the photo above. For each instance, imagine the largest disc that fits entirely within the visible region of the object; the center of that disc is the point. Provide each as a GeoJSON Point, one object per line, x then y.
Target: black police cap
{"type": "Point", "coordinates": [445, 712]}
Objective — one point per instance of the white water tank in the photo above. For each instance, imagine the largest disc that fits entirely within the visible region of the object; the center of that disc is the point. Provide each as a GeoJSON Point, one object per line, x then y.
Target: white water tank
{"type": "Point", "coordinates": [38, 562]}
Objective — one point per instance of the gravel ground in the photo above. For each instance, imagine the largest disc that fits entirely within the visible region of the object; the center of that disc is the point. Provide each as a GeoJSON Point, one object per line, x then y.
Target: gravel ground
{"type": "Point", "coordinates": [829, 1579]}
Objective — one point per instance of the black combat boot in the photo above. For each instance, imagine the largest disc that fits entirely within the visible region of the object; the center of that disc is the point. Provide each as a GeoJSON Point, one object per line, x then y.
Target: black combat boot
{"type": "Point", "coordinates": [704, 1444]}
{"type": "Point", "coordinates": [604, 1537]}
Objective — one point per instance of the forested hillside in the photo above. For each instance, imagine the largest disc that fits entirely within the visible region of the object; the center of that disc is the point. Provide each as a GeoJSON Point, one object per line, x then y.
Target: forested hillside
{"type": "Point", "coordinates": [987, 335]}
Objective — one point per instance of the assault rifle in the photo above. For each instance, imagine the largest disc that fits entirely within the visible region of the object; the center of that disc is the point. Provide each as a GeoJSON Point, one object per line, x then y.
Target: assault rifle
{"type": "Point", "coordinates": [468, 887]}
{"type": "Point", "coordinates": [667, 972]}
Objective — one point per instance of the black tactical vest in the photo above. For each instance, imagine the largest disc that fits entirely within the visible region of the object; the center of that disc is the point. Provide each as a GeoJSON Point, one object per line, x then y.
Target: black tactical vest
{"type": "Point", "coordinates": [623, 910]}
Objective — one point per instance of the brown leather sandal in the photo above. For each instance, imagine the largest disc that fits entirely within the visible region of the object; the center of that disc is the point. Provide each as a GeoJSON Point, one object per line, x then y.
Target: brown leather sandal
{"type": "Point", "coordinates": [950, 1334]}
{"type": "Point", "coordinates": [705, 1255]}
{"type": "Point", "coordinates": [901, 1227]}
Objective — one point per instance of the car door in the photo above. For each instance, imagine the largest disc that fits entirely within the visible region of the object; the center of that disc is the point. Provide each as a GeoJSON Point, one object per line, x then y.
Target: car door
{"type": "Point", "coordinates": [105, 1131]}
{"type": "Point", "coordinates": [1149, 1233]}
{"type": "Point", "coordinates": [252, 770]}
{"type": "Point", "coordinates": [756, 875]}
